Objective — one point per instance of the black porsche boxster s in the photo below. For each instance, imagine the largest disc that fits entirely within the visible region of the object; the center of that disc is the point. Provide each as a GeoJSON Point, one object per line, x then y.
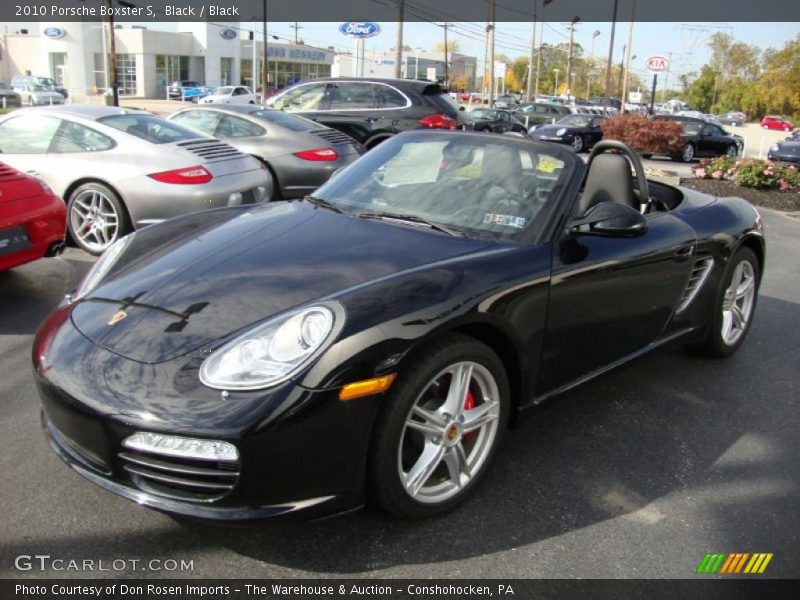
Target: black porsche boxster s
{"type": "Point", "coordinates": [375, 340]}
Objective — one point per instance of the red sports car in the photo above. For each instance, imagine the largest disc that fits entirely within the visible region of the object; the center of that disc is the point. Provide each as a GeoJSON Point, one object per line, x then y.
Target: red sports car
{"type": "Point", "coordinates": [776, 122]}
{"type": "Point", "coordinates": [33, 219]}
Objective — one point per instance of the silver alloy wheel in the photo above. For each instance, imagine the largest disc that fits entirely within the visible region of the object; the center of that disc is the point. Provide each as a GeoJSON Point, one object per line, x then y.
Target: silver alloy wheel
{"type": "Point", "coordinates": [688, 153]}
{"type": "Point", "coordinates": [733, 151]}
{"type": "Point", "coordinates": [737, 304]}
{"type": "Point", "coordinates": [94, 220]}
{"type": "Point", "coordinates": [444, 445]}
{"type": "Point", "coordinates": [577, 143]}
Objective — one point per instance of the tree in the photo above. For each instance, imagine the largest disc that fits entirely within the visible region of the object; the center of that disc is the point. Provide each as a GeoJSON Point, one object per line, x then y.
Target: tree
{"type": "Point", "coordinates": [702, 93]}
{"type": "Point", "coordinates": [452, 46]}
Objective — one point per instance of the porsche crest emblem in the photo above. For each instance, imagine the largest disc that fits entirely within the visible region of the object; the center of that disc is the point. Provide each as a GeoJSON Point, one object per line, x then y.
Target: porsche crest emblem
{"type": "Point", "coordinates": [117, 317]}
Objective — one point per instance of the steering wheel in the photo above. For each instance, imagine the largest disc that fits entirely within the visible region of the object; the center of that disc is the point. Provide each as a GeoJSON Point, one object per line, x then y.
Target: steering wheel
{"type": "Point", "coordinates": [633, 156]}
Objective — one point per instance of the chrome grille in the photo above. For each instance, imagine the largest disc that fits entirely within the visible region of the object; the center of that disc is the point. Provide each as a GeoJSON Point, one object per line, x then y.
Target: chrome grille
{"type": "Point", "coordinates": [211, 149]}
{"type": "Point", "coordinates": [180, 478]}
{"type": "Point", "coordinates": [700, 271]}
{"type": "Point", "coordinates": [333, 136]}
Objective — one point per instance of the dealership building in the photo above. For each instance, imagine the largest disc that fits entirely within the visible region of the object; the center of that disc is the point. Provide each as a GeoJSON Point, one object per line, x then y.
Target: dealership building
{"type": "Point", "coordinates": [148, 60]}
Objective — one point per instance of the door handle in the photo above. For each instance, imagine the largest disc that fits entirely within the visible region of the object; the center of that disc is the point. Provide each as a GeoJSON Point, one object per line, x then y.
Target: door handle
{"type": "Point", "coordinates": [685, 252]}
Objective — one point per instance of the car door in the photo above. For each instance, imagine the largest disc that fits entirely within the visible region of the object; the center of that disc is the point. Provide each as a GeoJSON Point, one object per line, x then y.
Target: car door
{"type": "Point", "coordinates": [504, 122]}
{"type": "Point", "coordinates": [595, 132]}
{"type": "Point", "coordinates": [611, 296]}
{"type": "Point", "coordinates": [24, 143]}
{"type": "Point", "coordinates": [352, 109]}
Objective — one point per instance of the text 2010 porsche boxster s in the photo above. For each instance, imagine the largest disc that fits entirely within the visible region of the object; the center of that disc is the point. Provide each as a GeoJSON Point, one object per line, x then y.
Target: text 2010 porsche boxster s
{"type": "Point", "coordinates": [374, 340]}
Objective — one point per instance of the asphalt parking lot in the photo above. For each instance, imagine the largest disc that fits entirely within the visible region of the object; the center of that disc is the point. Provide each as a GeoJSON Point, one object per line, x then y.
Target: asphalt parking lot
{"type": "Point", "coordinates": [637, 474]}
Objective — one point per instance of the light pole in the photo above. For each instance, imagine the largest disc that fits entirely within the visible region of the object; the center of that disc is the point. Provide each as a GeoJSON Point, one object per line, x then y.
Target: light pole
{"type": "Point", "coordinates": [628, 61]}
{"type": "Point", "coordinates": [591, 67]}
{"type": "Point", "coordinates": [575, 19]}
{"type": "Point", "coordinates": [398, 50]}
{"type": "Point", "coordinates": [610, 54]}
{"type": "Point", "coordinates": [541, 43]}
{"type": "Point", "coordinates": [529, 87]}
{"type": "Point", "coordinates": [555, 91]}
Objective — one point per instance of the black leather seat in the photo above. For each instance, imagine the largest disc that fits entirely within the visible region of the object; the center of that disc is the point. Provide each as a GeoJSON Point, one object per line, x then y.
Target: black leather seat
{"type": "Point", "coordinates": [609, 180]}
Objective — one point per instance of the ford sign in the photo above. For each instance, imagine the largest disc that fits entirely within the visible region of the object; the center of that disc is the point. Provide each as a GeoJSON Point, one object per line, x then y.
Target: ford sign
{"type": "Point", "coordinates": [54, 32]}
{"type": "Point", "coordinates": [360, 29]}
{"type": "Point", "coordinates": [228, 34]}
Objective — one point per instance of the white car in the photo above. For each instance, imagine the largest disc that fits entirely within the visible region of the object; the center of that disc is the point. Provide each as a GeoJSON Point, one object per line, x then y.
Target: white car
{"type": "Point", "coordinates": [38, 95]}
{"type": "Point", "coordinates": [230, 94]}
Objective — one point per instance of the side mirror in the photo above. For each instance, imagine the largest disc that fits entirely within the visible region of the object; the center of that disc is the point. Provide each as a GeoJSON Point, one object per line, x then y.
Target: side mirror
{"type": "Point", "coordinates": [610, 219]}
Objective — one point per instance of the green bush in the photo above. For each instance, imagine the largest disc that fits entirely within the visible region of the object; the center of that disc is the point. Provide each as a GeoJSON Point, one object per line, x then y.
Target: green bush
{"type": "Point", "coordinates": [645, 135]}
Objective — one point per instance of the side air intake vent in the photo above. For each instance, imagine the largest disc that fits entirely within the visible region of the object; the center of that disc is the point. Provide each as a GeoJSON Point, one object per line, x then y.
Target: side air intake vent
{"type": "Point", "coordinates": [700, 271]}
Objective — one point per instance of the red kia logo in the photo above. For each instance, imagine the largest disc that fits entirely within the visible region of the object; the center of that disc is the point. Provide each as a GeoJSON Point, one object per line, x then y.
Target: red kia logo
{"type": "Point", "coordinates": [656, 63]}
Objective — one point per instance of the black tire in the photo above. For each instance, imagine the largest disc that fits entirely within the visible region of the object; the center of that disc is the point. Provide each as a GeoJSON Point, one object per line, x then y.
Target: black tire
{"type": "Point", "coordinates": [73, 223]}
{"type": "Point", "coordinates": [416, 376]}
{"type": "Point", "coordinates": [733, 151]}
{"type": "Point", "coordinates": [714, 344]}
{"type": "Point", "coordinates": [646, 155]}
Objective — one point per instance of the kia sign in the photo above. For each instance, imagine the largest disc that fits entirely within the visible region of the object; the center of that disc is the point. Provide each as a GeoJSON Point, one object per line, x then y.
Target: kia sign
{"type": "Point", "coordinates": [656, 63]}
{"type": "Point", "coordinates": [360, 29]}
{"type": "Point", "coordinates": [54, 32]}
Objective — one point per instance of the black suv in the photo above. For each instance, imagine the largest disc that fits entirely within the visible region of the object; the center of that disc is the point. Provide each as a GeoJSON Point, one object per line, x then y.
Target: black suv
{"type": "Point", "coordinates": [371, 110]}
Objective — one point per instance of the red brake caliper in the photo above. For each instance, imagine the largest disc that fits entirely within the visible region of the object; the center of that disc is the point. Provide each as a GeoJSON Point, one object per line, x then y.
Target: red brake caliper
{"type": "Point", "coordinates": [469, 404]}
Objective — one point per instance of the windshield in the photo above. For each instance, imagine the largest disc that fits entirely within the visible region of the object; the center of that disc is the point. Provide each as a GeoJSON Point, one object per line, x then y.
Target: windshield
{"type": "Point", "coordinates": [575, 120]}
{"type": "Point", "coordinates": [485, 187]}
{"type": "Point", "coordinates": [224, 91]}
{"type": "Point", "coordinates": [287, 120]}
{"type": "Point", "coordinates": [484, 113]}
{"type": "Point", "coordinates": [150, 128]}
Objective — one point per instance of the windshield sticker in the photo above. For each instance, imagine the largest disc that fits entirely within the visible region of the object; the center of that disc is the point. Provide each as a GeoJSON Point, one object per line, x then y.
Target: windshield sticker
{"type": "Point", "coordinates": [548, 165]}
{"type": "Point", "coordinates": [507, 220]}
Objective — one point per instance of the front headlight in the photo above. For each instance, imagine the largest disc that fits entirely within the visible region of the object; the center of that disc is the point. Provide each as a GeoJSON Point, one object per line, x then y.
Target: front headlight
{"type": "Point", "coordinates": [271, 353]}
{"type": "Point", "coordinates": [102, 266]}
{"type": "Point", "coordinates": [561, 132]}
{"type": "Point", "coordinates": [774, 148]}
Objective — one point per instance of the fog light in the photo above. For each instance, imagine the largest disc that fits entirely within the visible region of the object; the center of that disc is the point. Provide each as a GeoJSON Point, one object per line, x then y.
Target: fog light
{"type": "Point", "coordinates": [173, 445]}
{"type": "Point", "coordinates": [235, 199]}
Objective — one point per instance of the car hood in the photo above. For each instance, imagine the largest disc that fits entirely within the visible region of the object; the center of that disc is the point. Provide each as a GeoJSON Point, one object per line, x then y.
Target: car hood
{"type": "Point", "coordinates": [193, 280]}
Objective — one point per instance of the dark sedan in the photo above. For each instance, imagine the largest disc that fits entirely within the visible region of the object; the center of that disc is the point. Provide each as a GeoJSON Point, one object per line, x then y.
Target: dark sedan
{"type": "Point", "coordinates": [540, 113]}
{"type": "Point", "coordinates": [300, 154]}
{"type": "Point", "coordinates": [374, 341]}
{"type": "Point", "coordinates": [736, 119]}
{"type": "Point", "coordinates": [495, 121]}
{"type": "Point", "coordinates": [787, 150]}
{"type": "Point", "coordinates": [371, 110]}
{"type": "Point", "coordinates": [579, 131]}
{"type": "Point", "coordinates": [703, 138]}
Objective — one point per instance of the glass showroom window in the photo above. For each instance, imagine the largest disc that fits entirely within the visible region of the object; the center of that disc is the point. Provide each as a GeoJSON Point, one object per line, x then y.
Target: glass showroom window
{"type": "Point", "coordinates": [226, 70]}
{"type": "Point", "coordinates": [126, 74]}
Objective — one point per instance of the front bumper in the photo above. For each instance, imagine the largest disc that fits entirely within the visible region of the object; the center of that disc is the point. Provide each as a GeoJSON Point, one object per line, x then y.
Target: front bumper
{"type": "Point", "coordinates": [302, 453]}
{"type": "Point", "coordinates": [788, 158]}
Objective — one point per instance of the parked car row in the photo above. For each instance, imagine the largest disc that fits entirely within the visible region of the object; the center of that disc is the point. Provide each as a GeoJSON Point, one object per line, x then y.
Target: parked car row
{"type": "Point", "coordinates": [787, 150]}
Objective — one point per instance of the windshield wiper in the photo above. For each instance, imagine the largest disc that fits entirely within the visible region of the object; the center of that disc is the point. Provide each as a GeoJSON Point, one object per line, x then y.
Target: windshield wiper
{"type": "Point", "coordinates": [412, 219]}
{"type": "Point", "coordinates": [323, 203]}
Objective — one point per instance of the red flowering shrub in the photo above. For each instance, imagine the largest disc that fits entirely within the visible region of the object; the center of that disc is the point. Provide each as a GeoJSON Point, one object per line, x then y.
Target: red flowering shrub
{"type": "Point", "coordinates": [645, 135]}
{"type": "Point", "coordinates": [753, 173]}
